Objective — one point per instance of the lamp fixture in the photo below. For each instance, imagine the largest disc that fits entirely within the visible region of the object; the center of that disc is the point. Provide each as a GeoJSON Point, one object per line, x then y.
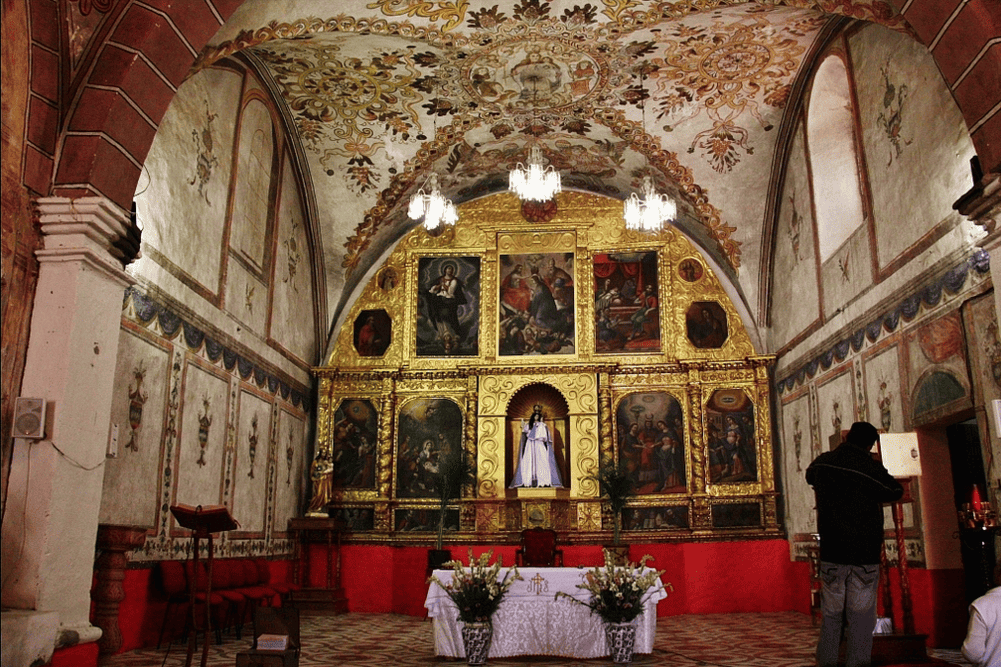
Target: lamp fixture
{"type": "Point", "coordinates": [650, 213]}
{"type": "Point", "coordinates": [534, 182]}
{"type": "Point", "coordinates": [433, 206]}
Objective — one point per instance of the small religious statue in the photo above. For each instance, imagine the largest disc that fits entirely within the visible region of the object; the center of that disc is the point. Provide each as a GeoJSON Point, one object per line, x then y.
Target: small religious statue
{"type": "Point", "coordinates": [536, 455]}
{"type": "Point", "coordinates": [322, 474]}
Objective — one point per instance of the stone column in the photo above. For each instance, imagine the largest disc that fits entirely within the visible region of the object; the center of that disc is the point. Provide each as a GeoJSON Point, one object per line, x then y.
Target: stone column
{"type": "Point", "coordinates": [50, 527]}
{"type": "Point", "coordinates": [982, 205]}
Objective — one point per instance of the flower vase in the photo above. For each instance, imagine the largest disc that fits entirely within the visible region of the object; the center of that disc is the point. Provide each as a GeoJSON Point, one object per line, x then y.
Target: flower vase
{"type": "Point", "coordinates": [621, 637]}
{"type": "Point", "coordinates": [476, 640]}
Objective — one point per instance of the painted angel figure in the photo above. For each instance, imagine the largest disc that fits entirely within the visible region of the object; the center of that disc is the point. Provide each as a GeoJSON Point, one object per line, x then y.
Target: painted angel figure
{"type": "Point", "coordinates": [536, 455]}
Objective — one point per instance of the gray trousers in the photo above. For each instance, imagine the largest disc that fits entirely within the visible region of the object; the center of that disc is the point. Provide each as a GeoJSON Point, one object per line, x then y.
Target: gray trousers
{"type": "Point", "coordinates": [849, 593]}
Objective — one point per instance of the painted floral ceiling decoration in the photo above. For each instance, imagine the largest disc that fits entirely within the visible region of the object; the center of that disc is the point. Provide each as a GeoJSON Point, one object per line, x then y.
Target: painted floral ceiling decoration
{"type": "Point", "coordinates": [383, 93]}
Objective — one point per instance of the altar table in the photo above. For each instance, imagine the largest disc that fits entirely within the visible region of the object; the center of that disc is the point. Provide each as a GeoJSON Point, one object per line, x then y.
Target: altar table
{"type": "Point", "coordinates": [530, 621]}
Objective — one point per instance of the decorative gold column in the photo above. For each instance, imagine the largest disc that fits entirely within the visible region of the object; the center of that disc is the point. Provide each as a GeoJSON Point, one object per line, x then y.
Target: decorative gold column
{"type": "Point", "coordinates": [762, 422]}
{"type": "Point", "coordinates": [387, 407]}
{"type": "Point", "coordinates": [701, 515]}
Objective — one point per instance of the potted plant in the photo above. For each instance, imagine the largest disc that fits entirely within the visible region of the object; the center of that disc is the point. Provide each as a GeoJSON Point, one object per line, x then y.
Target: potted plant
{"type": "Point", "coordinates": [454, 471]}
{"type": "Point", "coordinates": [617, 486]}
{"type": "Point", "coordinates": [477, 593]}
{"type": "Point", "coordinates": [617, 595]}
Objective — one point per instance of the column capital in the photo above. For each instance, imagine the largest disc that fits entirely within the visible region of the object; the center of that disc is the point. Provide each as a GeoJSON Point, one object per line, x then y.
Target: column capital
{"type": "Point", "coordinates": [982, 205]}
{"type": "Point", "coordinates": [83, 230]}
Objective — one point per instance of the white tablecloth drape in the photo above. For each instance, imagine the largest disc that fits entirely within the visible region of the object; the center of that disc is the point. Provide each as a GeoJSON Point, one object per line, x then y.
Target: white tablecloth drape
{"type": "Point", "coordinates": [530, 621]}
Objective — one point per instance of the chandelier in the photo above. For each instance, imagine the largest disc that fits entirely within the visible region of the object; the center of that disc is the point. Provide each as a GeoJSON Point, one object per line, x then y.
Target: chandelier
{"type": "Point", "coordinates": [650, 213]}
{"type": "Point", "coordinates": [534, 182]}
{"type": "Point", "coordinates": [433, 206]}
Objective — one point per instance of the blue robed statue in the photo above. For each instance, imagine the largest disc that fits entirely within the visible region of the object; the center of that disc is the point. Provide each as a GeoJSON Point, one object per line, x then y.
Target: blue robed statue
{"type": "Point", "coordinates": [536, 455]}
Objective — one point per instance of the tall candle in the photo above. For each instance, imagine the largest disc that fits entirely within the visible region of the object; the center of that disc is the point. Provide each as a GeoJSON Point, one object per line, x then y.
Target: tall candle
{"type": "Point", "coordinates": [975, 498]}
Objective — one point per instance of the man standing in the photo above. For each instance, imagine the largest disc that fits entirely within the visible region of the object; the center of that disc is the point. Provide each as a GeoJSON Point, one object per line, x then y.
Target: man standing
{"type": "Point", "coordinates": [851, 487]}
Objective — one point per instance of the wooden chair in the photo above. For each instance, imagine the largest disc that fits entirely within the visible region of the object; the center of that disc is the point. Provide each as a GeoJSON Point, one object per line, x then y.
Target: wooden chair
{"type": "Point", "coordinates": [538, 549]}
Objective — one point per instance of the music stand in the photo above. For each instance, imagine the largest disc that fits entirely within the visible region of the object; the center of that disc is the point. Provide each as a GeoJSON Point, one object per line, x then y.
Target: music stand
{"type": "Point", "coordinates": [202, 522]}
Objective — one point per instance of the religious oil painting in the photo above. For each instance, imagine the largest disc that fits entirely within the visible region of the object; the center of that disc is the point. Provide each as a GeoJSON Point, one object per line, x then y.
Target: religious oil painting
{"type": "Point", "coordinates": [690, 270]}
{"type": "Point", "coordinates": [626, 306]}
{"type": "Point", "coordinates": [428, 432]}
{"type": "Point", "coordinates": [422, 520]}
{"type": "Point", "coordinates": [729, 416]}
{"type": "Point", "coordinates": [448, 309]}
{"type": "Point", "coordinates": [373, 331]}
{"type": "Point", "coordinates": [736, 515]}
{"type": "Point", "coordinates": [354, 518]}
{"type": "Point", "coordinates": [651, 442]}
{"type": "Point", "coordinates": [354, 439]}
{"type": "Point", "coordinates": [536, 304]}
{"type": "Point", "coordinates": [655, 518]}
{"type": "Point", "coordinates": [705, 322]}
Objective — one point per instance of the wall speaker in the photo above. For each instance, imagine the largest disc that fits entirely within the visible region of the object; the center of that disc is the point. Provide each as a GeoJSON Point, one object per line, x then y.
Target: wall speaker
{"type": "Point", "coordinates": [29, 418]}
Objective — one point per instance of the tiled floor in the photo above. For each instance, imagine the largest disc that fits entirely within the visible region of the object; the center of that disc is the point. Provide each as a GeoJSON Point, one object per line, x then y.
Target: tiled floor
{"type": "Point", "coordinates": [366, 640]}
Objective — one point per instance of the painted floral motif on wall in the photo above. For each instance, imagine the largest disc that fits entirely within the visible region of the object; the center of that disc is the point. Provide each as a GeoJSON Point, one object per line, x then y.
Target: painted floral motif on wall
{"type": "Point", "coordinates": [207, 159]}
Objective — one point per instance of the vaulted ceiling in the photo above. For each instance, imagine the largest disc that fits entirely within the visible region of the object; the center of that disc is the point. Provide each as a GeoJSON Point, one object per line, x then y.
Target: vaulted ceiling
{"type": "Point", "coordinates": [384, 93]}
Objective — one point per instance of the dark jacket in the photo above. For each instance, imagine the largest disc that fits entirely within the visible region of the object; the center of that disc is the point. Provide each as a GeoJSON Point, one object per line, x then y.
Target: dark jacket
{"type": "Point", "coordinates": [851, 487]}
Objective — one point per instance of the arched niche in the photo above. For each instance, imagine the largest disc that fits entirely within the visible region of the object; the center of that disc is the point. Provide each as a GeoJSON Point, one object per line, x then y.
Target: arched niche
{"type": "Point", "coordinates": [556, 415]}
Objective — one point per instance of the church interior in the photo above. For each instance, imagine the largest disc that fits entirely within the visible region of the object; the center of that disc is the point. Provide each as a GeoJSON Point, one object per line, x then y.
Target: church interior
{"type": "Point", "coordinates": [228, 280]}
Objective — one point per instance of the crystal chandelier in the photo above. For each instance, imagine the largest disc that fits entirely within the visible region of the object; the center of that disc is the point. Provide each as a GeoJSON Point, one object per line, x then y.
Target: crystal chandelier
{"type": "Point", "coordinates": [433, 206]}
{"type": "Point", "coordinates": [534, 182]}
{"type": "Point", "coordinates": [652, 212]}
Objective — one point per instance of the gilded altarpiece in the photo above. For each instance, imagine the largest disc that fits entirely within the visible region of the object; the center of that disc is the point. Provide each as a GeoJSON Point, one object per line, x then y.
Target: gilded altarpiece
{"type": "Point", "coordinates": [697, 377]}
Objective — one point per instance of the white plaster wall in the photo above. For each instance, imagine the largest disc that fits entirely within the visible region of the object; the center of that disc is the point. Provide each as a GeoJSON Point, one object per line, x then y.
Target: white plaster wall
{"type": "Point", "coordinates": [917, 177]}
{"type": "Point", "coordinates": [289, 487]}
{"type": "Point", "coordinates": [200, 484]}
{"type": "Point", "coordinates": [131, 480]}
{"type": "Point", "coordinates": [796, 419]}
{"type": "Point", "coordinates": [247, 298]}
{"type": "Point", "coordinates": [848, 272]}
{"type": "Point", "coordinates": [795, 264]}
{"type": "Point", "coordinates": [835, 406]}
{"type": "Point", "coordinates": [189, 164]}
{"type": "Point", "coordinates": [250, 493]}
{"type": "Point", "coordinates": [251, 190]}
{"type": "Point", "coordinates": [293, 293]}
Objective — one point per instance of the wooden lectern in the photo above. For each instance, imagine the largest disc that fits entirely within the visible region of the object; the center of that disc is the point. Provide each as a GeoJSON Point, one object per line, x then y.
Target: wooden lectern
{"type": "Point", "coordinates": [202, 521]}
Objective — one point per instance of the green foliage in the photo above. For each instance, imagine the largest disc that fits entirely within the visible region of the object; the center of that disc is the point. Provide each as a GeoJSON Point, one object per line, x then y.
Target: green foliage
{"type": "Point", "coordinates": [615, 482]}
{"type": "Point", "coordinates": [478, 591]}
{"type": "Point", "coordinates": [454, 471]}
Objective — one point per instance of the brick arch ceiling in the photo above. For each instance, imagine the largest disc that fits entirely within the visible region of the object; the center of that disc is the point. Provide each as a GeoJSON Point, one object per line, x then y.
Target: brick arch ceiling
{"type": "Point", "coordinates": [146, 48]}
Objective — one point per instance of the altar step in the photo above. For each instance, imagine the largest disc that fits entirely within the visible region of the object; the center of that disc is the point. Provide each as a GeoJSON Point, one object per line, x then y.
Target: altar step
{"type": "Point", "coordinates": [331, 600]}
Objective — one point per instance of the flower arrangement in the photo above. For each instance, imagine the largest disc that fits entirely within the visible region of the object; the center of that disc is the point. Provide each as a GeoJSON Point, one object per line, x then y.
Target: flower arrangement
{"type": "Point", "coordinates": [618, 591]}
{"type": "Point", "coordinates": [478, 591]}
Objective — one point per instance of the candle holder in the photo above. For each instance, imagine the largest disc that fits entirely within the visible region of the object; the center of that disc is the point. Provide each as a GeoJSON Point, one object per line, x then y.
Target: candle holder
{"type": "Point", "coordinates": [984, 517]}
{"type": "Point", "coordinates": [979, 523]}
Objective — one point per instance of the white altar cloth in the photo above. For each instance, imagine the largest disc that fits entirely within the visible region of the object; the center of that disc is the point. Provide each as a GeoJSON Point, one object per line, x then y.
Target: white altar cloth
{"type": "Point", "coordinates": [530, 621]}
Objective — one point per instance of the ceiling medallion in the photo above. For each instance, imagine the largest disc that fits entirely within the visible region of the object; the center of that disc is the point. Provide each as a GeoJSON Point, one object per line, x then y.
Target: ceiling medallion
{"type": "Point", "coordinates": [652, 212]}
{"type": "Point", "coordinates": [534, 182]}
{"type": "Point", "coordinates": [433, 206]}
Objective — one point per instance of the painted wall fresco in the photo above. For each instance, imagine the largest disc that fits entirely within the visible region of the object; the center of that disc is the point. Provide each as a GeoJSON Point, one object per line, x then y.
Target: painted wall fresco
{"type": "Point", "coordinates": [938, 373]}
{"type": "Point", "coordinates": [448, 322]}
{"type": "Point", "coordinates": [626, 301]}
{"type": "Point", "coordinates": [428, 429]}
{"type": "Point", "coordinates": [295, 301]}
{"type": "Point", "coordinates": [537, 304]}
{"type": "Point", "coordinates": [915, 140]}
{"type": "Point", "coordinates": [885, 400]}
{"type": "Point", "coordinates": [189, 166]}
{"type": "Point", "coordinates": [255, 166]}
{"type": "Point", "coordinates": [794, 268]}
{"type": "Point", "coordinates": [800, 447]}
{"type": "Point", "coordinates": [835, 407]}
{"type": "Point", "coordinates": [650, 437]}
{"type": "Point", "coordinates": [251, 464]}
{"type": "Point", "coordinates": [138, 407]}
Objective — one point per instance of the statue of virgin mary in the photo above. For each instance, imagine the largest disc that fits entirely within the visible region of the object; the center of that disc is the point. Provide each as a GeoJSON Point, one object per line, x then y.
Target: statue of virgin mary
{"type": "Point", "coordinates": [536, 455]}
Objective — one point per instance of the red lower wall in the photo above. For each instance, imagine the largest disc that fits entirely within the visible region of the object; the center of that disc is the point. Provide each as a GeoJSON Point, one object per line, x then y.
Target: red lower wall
{"type": "Point", "coordinates": [707, 578]}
